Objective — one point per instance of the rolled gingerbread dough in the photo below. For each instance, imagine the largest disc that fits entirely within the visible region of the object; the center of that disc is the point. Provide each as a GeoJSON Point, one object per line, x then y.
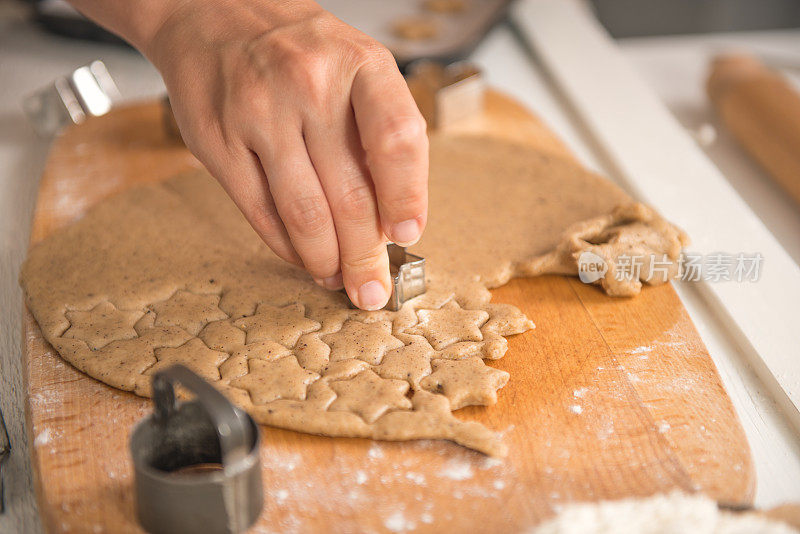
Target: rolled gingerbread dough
{"type": "Point", "coordinates": [172, 273]}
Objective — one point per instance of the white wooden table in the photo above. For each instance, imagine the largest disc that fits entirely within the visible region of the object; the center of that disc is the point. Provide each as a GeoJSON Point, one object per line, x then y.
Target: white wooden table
{"type": "Point", "coordinates": [673, 66]}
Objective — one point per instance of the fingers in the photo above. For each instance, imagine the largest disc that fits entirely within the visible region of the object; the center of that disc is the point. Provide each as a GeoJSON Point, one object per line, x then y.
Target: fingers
{"type": "Point", "coordinates": [247, 185]}
{"type": "Point", "coordinates": [362, 248]}
{"type": "Point", "coordinates": [301, 204]}
{"type": "Point", "coordinates": [393, 135]}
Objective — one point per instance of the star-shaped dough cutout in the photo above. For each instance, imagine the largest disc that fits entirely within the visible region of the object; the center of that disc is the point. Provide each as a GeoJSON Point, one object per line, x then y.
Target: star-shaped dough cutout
{"type": "Point", "coordinates": [311, 352]}
{"type": "Point", "coordinates": [343, 370]}
{"type": "Point", "coordinates": [189, 311]}
{"type": "Point", "coordinates": [101, 325]}
{"type": "Point", "coordinates": [363, 341]}
{"type": "Point", "coordinates": [232, 368]}
{"type": "Point", "coordinates": [410, 362]}
{"type": "Point", "coordinates": [222, 335]}
{"type": "Point", "coordinates": [281, 325]}
{"type": "Point", "coordinates": [369, 395]}
{"type": "Point", "coordinates": [264, 350]}
{"type": "Point", "coordinates": [449, 325]}
{"type": "Point", "coordinates": [119, 362]}
{"type": "Point", "coordinates": [506, 320]}
{"type": "Point", "coordinates": [160, 336]}
{"type": "Point", "coordinates": [193, 354]}
{"type": "Point", "coordinates": [278, 379]}
{"type": "Point", "coordinates": [465, 382]}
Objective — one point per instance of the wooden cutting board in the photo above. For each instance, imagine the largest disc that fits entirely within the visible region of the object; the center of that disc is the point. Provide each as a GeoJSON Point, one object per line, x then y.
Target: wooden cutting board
{"type": "Point", "coordinates": [608, 398]}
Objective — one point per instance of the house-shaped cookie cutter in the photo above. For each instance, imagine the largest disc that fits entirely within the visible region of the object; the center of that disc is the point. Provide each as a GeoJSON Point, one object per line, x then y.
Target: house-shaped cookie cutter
{"type": "Point", "coordinates": [446, 94]}
{"type": "Point", "coordinates": [88, 91]}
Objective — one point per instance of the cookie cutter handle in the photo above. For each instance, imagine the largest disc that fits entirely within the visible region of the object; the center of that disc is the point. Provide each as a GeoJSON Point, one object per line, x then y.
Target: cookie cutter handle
{"type": "Point", "coordinates": [231, 425]}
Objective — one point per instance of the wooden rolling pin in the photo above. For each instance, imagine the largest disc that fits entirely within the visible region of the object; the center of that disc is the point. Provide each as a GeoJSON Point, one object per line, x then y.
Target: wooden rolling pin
{"type": "Point", "coordinates": [788, 514]}
{"type": "Point", "coordinates": [762, 110]}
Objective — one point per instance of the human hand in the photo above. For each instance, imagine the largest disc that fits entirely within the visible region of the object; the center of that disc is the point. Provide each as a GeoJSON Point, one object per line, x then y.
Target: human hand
{"type": "Point", "coordinates": [310, 128]}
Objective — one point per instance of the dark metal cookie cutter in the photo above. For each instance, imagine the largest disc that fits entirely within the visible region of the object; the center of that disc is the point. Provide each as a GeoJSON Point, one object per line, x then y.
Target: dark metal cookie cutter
{"type": "Point", "coordinates": [196, 463]}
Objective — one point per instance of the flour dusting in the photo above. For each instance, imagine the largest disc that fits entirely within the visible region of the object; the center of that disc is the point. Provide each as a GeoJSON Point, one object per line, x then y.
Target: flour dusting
{"type": "Point", "coordinates": [42, 438]}
{"type": "Point", "coordinates": [661, 514]}
{"type": "Point", "coordinates": [281, 495]}
{"type": "Point", "coordinates": [580, 392]}
{"type": "Point", "coordinates": [375, 452]}
{"type": "Point", "coordinates": [416, 478]}
{"type": "Point", "coordinates": [397, 522]}
{"type": "Point", "coordinates": [457, 471]}
{"type": "Point", "coordinates": [286, 462]}
{"type": "Point", "coordinates": [490, 462]}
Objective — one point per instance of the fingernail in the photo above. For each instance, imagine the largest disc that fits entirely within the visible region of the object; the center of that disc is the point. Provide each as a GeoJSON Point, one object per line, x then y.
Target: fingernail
{"type": "Point", "coordinates": [319, 281]}
{"type": "Point", "coordinates": [406, 233]}
{"type": "Point", "coordinates": [372, 296]}
{"type": "Point", "coordinates": [334, 282]}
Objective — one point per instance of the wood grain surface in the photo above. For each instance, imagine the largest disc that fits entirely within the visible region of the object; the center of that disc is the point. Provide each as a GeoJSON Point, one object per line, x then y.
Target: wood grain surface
{"type": "Point", "coordinates": [608, 398]}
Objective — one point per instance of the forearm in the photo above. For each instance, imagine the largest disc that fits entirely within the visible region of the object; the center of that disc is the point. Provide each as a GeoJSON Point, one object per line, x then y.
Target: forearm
{"type": "Point", "coordinates": [139, 22]}
{"type": "Point", "coordinates": [136, 21]}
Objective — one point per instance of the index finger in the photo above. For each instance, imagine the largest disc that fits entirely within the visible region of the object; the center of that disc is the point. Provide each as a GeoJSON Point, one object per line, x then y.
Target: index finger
{"type": "Point", "coordinates": [393, 135]}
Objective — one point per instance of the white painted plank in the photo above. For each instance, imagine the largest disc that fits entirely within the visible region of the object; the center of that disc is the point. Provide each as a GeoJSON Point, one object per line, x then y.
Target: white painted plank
{"type": "Point", "coordinates": [675, 68]}
{"type": "Point", "coordinates": [661, 165]}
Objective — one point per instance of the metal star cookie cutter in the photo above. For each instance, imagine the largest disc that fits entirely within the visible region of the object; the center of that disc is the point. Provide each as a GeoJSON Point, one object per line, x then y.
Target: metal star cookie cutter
{"type": "Point", "coordinates": [88, 91]}
{"type": "Point", "coordinates": [408, 276]}
{"type": "Point", "coordinates": [196, 464]}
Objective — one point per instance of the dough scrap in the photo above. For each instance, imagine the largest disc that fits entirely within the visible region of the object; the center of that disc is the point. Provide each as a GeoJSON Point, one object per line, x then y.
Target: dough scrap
{"type": "Point", "coordinates": [171, 272]}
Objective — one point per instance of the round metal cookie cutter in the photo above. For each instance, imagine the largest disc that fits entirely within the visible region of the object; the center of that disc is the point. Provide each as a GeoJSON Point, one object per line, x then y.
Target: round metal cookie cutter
{"type": "Point", "coordinates": [196, 463]}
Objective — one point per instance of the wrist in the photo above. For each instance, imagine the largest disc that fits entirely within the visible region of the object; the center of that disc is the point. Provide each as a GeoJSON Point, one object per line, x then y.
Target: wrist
{"type": "Point", "coordinates": [151, 35]}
